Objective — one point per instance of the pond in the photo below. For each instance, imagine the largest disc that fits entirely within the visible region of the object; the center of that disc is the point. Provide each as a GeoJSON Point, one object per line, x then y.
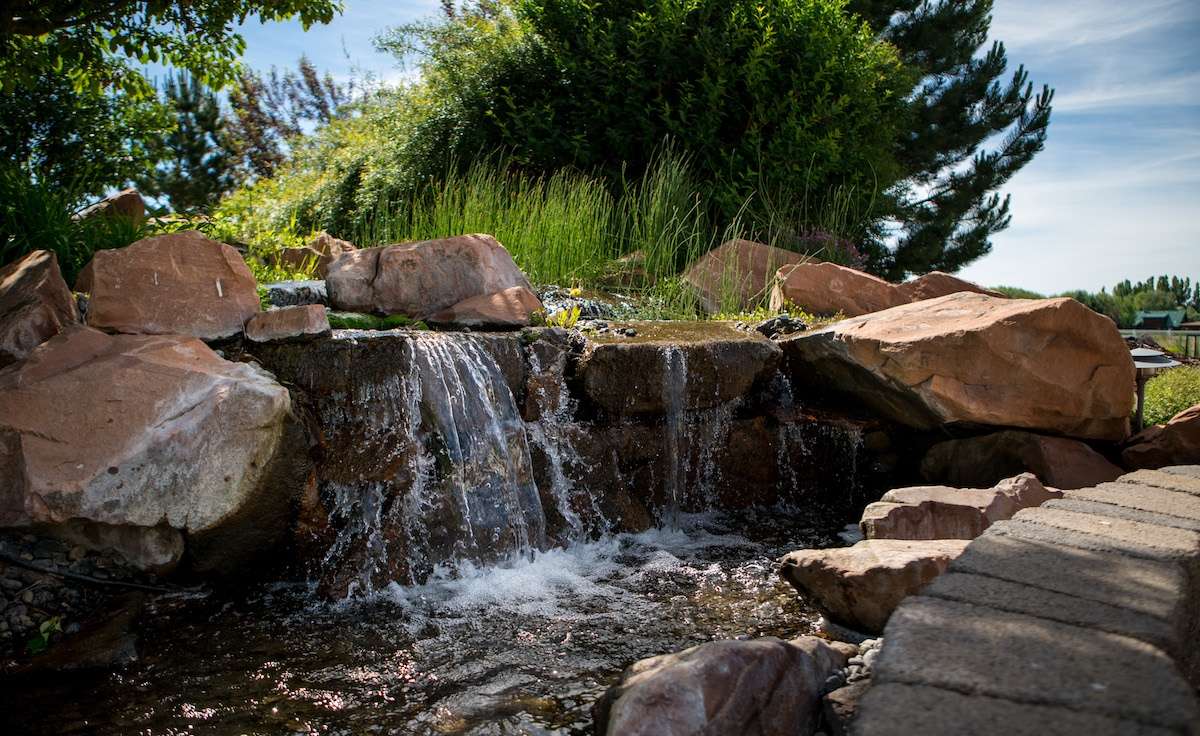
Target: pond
{"type": "Point", "coordinates": [520, 647]}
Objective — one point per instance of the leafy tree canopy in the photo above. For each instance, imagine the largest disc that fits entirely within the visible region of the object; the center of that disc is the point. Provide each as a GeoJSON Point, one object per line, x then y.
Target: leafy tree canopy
{"type": "Point", "coordinates": [94, 41]}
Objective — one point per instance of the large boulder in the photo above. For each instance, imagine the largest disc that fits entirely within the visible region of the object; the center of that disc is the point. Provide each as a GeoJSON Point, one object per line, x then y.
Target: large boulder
{"type": "Point", "coordinates": [1175, 443]}
{"type": "Point", "coordinates": [35, 304]}
{"type": "Point", "coordinates": [978, 462]}
{"type": "Point", "coordinates": [970, 359]}
{"type": "Point", "coordinates": [178, 284]}
{"type": "Point", "coordinates": [512, 307]}
{"type": "Point", "coordinates": [762, 687]}
{"type": "Point", "coordinates": [421, 279]}
{"type": "Point", "coordinates": [673, 367]}
{"type": "Point", "coordinates": [939, 512]}
{"type": "Point", "coordinates": [827, 288]}
{"type": "Point", "coordinates": [936, 283]}
{"type": "Point", "coordinates": [146, 439]}
{"type": "Point", "coordinates": [738, 273]}
{"type": "Point", "coordinates": [860, 586]}
{"type": "Point", "coordinates": [321, 251]}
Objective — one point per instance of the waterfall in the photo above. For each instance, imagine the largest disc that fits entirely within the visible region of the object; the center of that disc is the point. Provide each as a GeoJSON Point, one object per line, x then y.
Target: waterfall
{"type": "Point", "coordinates": [452, 443]}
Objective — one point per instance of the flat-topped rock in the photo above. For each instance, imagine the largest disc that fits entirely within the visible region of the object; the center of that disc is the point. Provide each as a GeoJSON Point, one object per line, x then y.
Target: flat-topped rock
{"type": "Point", "coordinates": [738, 272]}
{"type": "Point", "coordinates": [980, 461]}
{"type": "Point", "coordinates": [1051, 365]}
{"type": "Point", "coordinates": [761, 687]}
{"type": "Point", "coordinates": [896, 709]}
{"type": "Point", "coordinates": [670, 368]}
{"type": "Point", "coordinates": [939, 512]}
{"type": "Point", "coordinates": [177, 284]}
{"type": "Point", "coordinates": [288, 323]}
{"type": "Point", "coordinates": [421, 279]}
{"type": "Point", "coordinates": [860, 586]}
{"type": "Point", "coordinates": [974, 649]}
{"type": "Point", "coordinates": [35, 305]}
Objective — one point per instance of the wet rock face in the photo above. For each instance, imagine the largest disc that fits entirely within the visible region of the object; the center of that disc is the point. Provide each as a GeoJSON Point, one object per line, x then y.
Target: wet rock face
{"type": "Point", "coordinates": [421, 279]}
{"type": "Point", "coordinates": [1175, 443]}
{"type": "Point", "coordinates": [978, 462]}
{"type": "Point", "coordinates": [177, 284]}
{"type": "Point", "coordinates": [1047, 365]}
{"type": "Point", "coordinates": [675, 368]}
{"type": "Point", "coordinates": [763, 687]}
{"type": "Point", "coordinates": [415, 427]}
{"type": "Point", "coordinates": [35, 305]}
{"type": "Point", "coordinates": [142, 440]}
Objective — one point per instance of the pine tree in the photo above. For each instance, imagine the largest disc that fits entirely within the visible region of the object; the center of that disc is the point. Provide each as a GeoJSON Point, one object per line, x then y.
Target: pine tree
{"type": "Point", "coordinates": [970, 131]}
{"type": "Point", "coordinates": [198, 164]}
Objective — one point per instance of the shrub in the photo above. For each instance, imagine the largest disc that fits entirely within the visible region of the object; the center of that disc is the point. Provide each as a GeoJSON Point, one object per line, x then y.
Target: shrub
{"type": "Point", "coordinates": [1170, 392]}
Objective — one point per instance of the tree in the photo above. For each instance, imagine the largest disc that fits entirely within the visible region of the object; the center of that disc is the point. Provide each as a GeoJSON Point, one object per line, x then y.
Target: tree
{"type": "Point", "coordinates": [78, 141]}
{"type": "Point", "coordinates": [601, 86]}
{"type": "Point", "coordinates": [970, 130]}
{"type": "Point", "coordinates": [95, 39]}
{"type": "Point", "coordinates": [269, 110]}
{"type": "Point", "coordinates": [198, 162]}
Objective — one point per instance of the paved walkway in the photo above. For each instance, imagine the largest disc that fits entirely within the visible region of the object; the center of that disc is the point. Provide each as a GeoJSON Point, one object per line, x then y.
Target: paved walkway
{"type": "Point", "coordinates": [1078, 617]}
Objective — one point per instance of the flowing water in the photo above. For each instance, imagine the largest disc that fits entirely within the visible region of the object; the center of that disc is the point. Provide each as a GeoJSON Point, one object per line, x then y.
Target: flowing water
{"type": "Point", "coordinates": [466, 613]}
{"type": "Point", "coordinates": [518, 648]}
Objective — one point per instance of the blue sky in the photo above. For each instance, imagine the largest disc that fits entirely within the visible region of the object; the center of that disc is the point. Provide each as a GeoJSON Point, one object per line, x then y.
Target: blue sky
{"type": "Point", "coordinates": [1116, 193]}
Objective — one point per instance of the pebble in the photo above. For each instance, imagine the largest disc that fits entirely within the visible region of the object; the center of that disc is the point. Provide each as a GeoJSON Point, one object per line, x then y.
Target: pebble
{"type": "Point", "coordinates": [870, 657]}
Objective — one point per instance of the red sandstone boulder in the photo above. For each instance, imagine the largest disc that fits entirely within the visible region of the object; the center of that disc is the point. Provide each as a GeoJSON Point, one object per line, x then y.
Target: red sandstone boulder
{"type": "Point", "coordinates": [827, 288]}
{"type": "Point", "coordinates": [35, 304]}
{"type": "Point", "coordinates": [970, 359]}
{"type": "Point", "coordinates": [762, 687]}
{"type": "Point", "coordinates": [421, 279]}
{"type": "Point", "coordinates": [977, 462]}
{"type": "Point", "coordinates": [939, 512]}
{"type": "Point", "coordinates": [321, 251]}
{"type": "Point", "coordinates": [126, 203]}
{"type": "Point", "coordinates": [289, 323]}
{"type": "Point", "coordinates": [1175, 443]}
{"type": "Point", "coordinates": [142, 442]}
{"type": "Point", "coordinates": [511, 307]}
{"type": "Point", "coordinates": [738, 274]}
{"type": "Point", "coordinates": [182, 283]}
{"type": "Point", "coordinates": [936, 283]}
{"type": "Point", "coordinates": [860, 586]}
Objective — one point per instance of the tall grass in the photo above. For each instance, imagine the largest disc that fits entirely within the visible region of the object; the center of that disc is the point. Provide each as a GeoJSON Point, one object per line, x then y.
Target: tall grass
{"type": "Point", "coordinates": [570, 228]}
{"type": "Point", "coordinates": [38, 216]}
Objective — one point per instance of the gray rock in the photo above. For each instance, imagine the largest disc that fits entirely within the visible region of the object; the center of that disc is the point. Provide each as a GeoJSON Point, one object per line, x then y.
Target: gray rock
{"type": "Point", "coordinates": [297, 293]}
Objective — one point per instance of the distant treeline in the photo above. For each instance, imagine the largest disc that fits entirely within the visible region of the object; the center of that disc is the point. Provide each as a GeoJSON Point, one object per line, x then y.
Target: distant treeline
{"type": "Point", "coordinates": [1122, 304]}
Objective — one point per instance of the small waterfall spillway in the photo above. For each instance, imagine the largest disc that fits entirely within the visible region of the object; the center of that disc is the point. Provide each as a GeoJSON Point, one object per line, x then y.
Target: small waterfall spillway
{"type": "Point", "coordinates": [444, 449]}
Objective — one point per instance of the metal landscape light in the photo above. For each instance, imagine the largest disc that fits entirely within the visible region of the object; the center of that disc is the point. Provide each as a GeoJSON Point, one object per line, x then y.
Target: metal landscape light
{"type": "Point", "coordinates": [1148, 363]}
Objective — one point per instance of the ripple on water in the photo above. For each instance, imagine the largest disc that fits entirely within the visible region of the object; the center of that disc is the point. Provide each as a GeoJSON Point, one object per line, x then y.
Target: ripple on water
{"type": "Point", "coordinates": [522, 647]}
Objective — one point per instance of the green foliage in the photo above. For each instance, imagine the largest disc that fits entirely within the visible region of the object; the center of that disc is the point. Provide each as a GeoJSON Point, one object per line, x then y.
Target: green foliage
{"type": "Point", "coordinates": [41, 641]}
{"type": "Point", "coordinates": [567, 83]}
{"type": "Point", "coordinates": [38, 216]}
{"type": "Point", "coordinates": [1128, 298]}
{"type": "Point", "coordinates": [53, 132]}
{"type": "Point", "coordinates": [93, 42]}
{"type": "Point", "coordinates": [1170, 392]}
{"type": "Point", "coordinates": [968, 131]}
{"type": "Point", "coordinates": [360, 321]}
{"type": "Point", "coordinates": [197, 163]}
{"type": "Point", "coordinates": [1016, 292]}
